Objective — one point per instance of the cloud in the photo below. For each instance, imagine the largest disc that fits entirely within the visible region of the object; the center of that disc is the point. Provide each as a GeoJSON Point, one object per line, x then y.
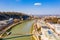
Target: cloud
{"type": "Point", "coordinates": [37, 4]}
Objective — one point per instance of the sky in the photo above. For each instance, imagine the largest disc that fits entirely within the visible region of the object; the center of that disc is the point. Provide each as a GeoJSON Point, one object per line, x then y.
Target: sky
{"type": "Point", "coordinates": [31, 7]}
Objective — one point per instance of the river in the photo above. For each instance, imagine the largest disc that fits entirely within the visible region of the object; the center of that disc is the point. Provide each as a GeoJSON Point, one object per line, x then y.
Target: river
{"type": "Point", "coordinates": [21, 31]}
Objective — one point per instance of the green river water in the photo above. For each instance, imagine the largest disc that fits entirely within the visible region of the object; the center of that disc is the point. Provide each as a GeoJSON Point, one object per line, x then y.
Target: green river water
{"type": "Point", "coordinates": [21, 31]}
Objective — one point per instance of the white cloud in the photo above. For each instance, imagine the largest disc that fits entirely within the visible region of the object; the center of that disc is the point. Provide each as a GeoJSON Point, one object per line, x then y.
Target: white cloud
{"type": "Point", "coordinates": [37, 4]}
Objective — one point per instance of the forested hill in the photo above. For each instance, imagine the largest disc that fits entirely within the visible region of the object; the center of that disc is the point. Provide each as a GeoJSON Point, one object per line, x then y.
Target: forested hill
{"type": "Point", "coordinates": [7, 15]}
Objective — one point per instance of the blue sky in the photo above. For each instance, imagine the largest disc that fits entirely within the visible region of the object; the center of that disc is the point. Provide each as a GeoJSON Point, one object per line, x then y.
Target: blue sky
{"type": "Point", "coordinates": [32, 7]}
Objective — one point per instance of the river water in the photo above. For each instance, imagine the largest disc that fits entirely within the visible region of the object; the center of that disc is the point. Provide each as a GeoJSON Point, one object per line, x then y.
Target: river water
{"type": "Point", "coordinates": [21, 31]}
